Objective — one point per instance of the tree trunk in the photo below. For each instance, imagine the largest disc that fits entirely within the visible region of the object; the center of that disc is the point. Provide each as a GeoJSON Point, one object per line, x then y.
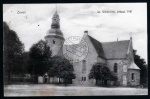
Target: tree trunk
{"type": "Point", "coordinates": [96, 81]}
{"type": "Point", "coordinates": [59, 80]}
{"type": "Point", "coordinates": [101, 81]}
{"type": "Point", "coordinates": [8, 77]}
{"type": "Point", "coordinates": [65, 82]}
{"type": "Point", "coordinates": [9, 74]}
{"type": "Point", "coordinates": [105, 82]}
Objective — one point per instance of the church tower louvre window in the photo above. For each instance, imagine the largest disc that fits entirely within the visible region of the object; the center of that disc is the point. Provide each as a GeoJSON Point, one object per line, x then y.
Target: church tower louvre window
{"type": "Point", "coordinates": [53, 41]}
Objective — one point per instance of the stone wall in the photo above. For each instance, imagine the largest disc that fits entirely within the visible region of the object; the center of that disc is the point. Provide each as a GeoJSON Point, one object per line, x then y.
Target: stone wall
{"type": "Point", "coordinates": [136, 80]}
{"type": "Point", "coordinates": [101, 60]}
{"type": "Point", "coordinates": [90, 59]}
{"type": "Point", "coordinates": [120, 72]}
{"type": "Point", "coordinates": [55, 48]}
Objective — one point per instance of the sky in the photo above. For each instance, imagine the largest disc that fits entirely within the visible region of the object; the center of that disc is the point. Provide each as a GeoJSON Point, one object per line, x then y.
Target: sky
{"type": "Point", "coordinates": [32, 21]}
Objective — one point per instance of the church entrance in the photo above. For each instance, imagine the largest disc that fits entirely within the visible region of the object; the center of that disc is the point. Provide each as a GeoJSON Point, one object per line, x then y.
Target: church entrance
{"type": "Point", "coordinates": [46, 78]}
{"type": "Point", "coordinates": [124, 80]}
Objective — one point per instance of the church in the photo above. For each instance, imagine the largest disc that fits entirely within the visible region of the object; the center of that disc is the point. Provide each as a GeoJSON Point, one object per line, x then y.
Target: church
{"type": "Point", "coordinates": [118, 56]}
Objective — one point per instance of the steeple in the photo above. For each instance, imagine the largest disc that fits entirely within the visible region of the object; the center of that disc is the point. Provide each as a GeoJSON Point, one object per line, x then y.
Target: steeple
{"type": "Point", "coordinates": [55, 21]}
{"type": "Point", "coordinates": [56, 7]}
{"type": "Point", "coordinates": [54, 37]}
{"type": "Point", "coordinates": [55, 26]}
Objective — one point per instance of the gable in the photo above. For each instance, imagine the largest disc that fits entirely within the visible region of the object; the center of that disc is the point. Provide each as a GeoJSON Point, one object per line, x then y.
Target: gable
{"type": "Point", "coordinates": [116, 49]}
{"type": "Point", "coordinates": [98, 47]}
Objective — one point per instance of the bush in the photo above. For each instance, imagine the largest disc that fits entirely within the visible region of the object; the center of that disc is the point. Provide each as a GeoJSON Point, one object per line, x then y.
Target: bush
{"type": "Point", "coordinates": [117, 83]}
{"type": "Point", "coordinates": [16, 79]}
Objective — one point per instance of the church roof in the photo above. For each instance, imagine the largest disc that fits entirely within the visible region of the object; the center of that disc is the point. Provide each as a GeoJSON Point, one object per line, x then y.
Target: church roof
{"type": "Point", "coordinates": [98, 46]}
{"type": "Point", "coordinates": [55, 31]}
{"type": "Point", "coordinates": [117, 49]}
{"type": "Point", "coordinates": [111, 50]}
{"type": "Point", "coordinates": [133, 66]}
{"type": "Point", "coordinates": [56, 15]}
{"type": "Point", "coordinates": [55, 27]}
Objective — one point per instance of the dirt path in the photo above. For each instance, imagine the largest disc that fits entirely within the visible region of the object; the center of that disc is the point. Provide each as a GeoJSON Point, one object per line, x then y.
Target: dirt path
{"type": "Point", "coordinates": [53, 90]}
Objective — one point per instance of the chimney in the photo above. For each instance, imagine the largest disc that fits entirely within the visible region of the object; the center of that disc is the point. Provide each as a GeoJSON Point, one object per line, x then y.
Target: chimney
{"type": "Point", "coordinates": [130, 38]}
{"type": "Point", "coordinates": [86, 32]}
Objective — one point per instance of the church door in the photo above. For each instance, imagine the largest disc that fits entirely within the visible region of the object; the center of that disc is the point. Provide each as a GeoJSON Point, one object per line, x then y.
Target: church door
{"type": "Point", "coordinates": [124, 80]}
{"type": "Point", "coordinates": [45, 80]}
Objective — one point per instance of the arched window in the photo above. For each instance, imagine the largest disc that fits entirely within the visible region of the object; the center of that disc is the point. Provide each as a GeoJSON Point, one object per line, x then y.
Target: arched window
{"type": "Point", "coordinates": [84, 66]}
{"type": "Point", "coordinates": [115, 67]}
{"type": "Point", "coordinates": [132, 76]}
{"type": "Point", "coordinates": [84, 78]}
{"type": "Point", "coordinates": [53, 41]}
{"type": "Point", "coordinates": [124, 68]}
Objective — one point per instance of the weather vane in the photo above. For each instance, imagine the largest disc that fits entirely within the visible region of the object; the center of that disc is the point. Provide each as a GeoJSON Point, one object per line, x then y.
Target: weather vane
{"type": "Point", "coordinates": [56, 8]}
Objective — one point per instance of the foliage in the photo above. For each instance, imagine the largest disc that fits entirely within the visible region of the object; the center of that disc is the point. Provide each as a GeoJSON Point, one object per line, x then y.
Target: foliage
{"type": "Point", "coordinates": [25, 64]}
{"type": "Point", "coordinates": [101, 72]}
{"type": "Point", "coordinates": [12, 50]}
{"type": "Point", "coordinates": [39, 58]}
{"type": "Point", "coordinates": [140, 62]}
{"type": "Point", "coordinates": [61, 68]}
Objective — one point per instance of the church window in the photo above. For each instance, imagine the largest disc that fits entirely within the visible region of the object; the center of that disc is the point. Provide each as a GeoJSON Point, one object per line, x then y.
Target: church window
{"type": "Point", "coordinates": [115, 68]}
{"type": "Point", "coordinates": [132, 76]}
{"type": "Point", "coordinates": [84, 78]}
{"type": "Point", "coordinates": [53, 41]}
{"type": "Point", "coordinates": [84, 66]}
{"type": "Point", "coordinates": [125, 68]}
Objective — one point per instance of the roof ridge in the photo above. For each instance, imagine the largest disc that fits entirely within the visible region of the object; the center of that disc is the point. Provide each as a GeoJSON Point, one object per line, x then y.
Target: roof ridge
{"type": "Point", "coordinates": [94, 39]}
{"type": "Point", "coordinates": [115, 41]}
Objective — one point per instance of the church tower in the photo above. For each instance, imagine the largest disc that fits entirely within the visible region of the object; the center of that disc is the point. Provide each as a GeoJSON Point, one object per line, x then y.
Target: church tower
{"type": "Point", "coordinates": [54, 37]}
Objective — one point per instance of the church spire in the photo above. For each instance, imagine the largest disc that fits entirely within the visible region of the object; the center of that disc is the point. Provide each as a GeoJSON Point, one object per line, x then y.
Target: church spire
{"type": "Point", "coordinates": [55, 21]}
{"type": "Point", "coordinates": [55, 26]}
{"type": "Point", "coordinates": [56, 8]}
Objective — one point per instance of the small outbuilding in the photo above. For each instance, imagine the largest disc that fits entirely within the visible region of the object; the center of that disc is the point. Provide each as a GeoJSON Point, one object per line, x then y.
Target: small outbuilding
{"type": "Point", "coordinates": [43, 79]}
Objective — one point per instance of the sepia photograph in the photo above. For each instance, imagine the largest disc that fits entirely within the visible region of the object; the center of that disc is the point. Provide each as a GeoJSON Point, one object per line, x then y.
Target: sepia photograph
{"type": "Point", "coordinates": [75, 49]}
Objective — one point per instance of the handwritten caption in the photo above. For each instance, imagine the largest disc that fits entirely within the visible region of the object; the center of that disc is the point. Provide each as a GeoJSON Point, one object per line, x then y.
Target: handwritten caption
{"type": "Point", "coordinates": [119, 11]}
{"type": "Point", "coordinates": [21, 12]}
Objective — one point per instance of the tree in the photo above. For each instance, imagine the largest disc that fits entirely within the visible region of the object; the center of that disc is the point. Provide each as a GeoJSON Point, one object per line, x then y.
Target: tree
{"type": "Point", "coordinates": [140, 62]}
{"type": "Point", "coordinates": [101, 72]}
{"type": "Point", "coordinates": [39, 58]}
{"type": "Point", "coordinates": [25, 65]}
{"type": "Point", "coordinates": [61, 68]}
{"type": "Point", "coordinates": [12, 51]}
